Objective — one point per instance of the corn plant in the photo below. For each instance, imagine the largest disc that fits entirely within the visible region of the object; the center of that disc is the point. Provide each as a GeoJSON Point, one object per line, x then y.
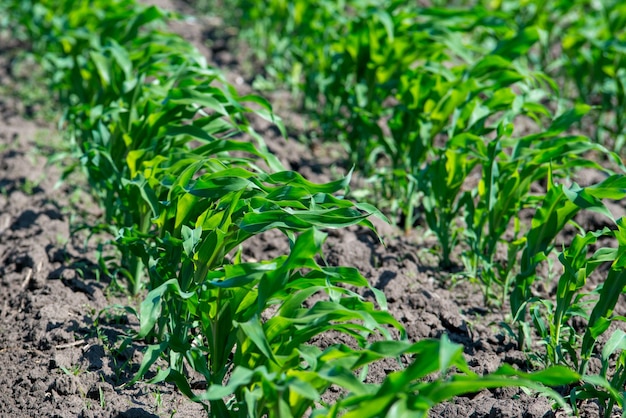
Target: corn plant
{"type": "Point", "coordinates": [558, 208]}
{"type": "Point", "coordinates": [221, 317]}
{"type": "Point", "coordinates": [580, 46]}
{"type": "Point", "coordinates": [561, 341]}
{"type": "Point", "coordinates": [208, 309]}
{"type": "Point", "coordinates": [118, 119]}
{"type": "Point", "coordinates": [615, 345]}
{"type": "Point", "coordinates": [395, 78]}
{"type": "Point", "coordinates": [563, 345]}
{"type": "Point", "coordinates": [445, 176]}
{"type": "Point", "coordinates": [589, 57]}
{"type": "Point", "coordinates": [510, 167]}
{"type": "Point", "coordinates": [207, 218]}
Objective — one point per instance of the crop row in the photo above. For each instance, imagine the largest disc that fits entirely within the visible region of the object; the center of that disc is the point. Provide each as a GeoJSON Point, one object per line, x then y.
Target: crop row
{"type": "Point", "coordinates": [160, 137]}
{"type": "Point", "coordinates": [522, 96]}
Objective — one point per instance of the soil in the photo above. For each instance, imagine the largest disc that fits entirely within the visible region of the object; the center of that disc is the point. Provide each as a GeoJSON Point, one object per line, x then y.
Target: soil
{"type": "Point", "coordinates": [63, 345]}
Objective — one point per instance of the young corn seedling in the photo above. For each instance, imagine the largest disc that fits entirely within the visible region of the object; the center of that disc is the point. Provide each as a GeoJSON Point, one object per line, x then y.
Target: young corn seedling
{"type": "Point", "coordinates": [204, 306]}
{"type": "Point", "coordinates": [467, 119]}
{"type": "Point", "coordinates": [563, 344]}
{"type": "Point", "coordinates": [561, 341]}
{"type": "Point", "coordinates": [445, 176]}
{"type": "Point", "coordinates": [558, 207]}
{"type": "Point", "coordinates": [510, 167]}
{"type": "Point", "coordinates": [612, 394]}
{"type": "Point", "coordinates": [118, 120]}
{"type": "Point", "coordinates": [609, 291]}
{"type": "Point", "coordinates": [583, 54]}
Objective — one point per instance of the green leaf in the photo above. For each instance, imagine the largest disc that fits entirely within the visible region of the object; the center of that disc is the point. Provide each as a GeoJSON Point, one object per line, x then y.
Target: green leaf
{"type": "Point", "coordinates": [616, 342]}
{"type": "Point", "coordinates": [190, 237]}
{"type": "Point", "coordinates": [150, 308]}
{"type": "Point", "coordinates": [240, 377]}
{"type": "Point", "coordinates": [568, 118]}
{"type": "Point", "coordinates": [254, 330]}
{"type": "Point", "coordinates": [519, 44]}
{"type": "Point", "coordinates": [600, 317]}
{"type": "Point", "coordinates": [150, 356]}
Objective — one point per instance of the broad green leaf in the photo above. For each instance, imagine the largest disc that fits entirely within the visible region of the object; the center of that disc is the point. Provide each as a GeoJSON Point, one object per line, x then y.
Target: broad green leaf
{"type": "Point", "coordinates": [519, 44]}
{"type": "Point", "coordinates": [568, 118]}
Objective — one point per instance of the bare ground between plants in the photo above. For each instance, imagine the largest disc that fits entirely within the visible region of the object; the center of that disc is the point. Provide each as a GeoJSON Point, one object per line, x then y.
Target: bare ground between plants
{"type": "Point", "coordinates": [55, 363]}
